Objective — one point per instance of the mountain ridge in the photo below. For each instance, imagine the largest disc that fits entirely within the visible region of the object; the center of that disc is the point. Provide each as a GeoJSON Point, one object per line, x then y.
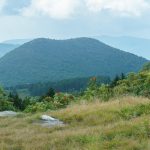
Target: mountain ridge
{"type": "Point", "coordinates": [135, 45]}
{"type": "Point", "coordinates": [44, 59]}
{"type": "Point", "coordinates": [5, 48]}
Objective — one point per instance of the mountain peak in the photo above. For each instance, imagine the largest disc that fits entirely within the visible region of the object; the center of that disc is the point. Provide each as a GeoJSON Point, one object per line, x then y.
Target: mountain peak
{"type": "Point", "coordinates": [44, 59]}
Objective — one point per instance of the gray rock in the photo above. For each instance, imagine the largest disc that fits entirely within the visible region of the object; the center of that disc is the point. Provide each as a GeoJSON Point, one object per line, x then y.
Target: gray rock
{"type": "Point", "coordinates": [48, 118]}
{"type": "Point", "coordinates": [8, 114]}
{"type": "Point", "coordinates": [47, 121]}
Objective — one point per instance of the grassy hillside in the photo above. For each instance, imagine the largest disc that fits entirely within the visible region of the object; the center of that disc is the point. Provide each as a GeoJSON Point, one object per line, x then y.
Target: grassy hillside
{"type": "Point", "coordinates": [120, 124]}
{"type": "Point", "coordinates": [43, 60]}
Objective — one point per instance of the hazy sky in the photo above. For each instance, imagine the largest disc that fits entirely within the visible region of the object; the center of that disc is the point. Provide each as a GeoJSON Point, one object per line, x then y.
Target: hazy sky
{"type": "Point", "coordinates": [73, 18]}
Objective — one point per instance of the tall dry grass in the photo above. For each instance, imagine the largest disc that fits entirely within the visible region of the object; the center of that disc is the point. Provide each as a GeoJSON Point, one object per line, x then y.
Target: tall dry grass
{"type": "Point", "coordinates": [89, 126]}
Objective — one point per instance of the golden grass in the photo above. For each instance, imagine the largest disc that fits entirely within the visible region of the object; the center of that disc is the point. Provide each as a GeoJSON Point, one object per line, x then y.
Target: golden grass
{"type": "Point", "coordinates": [90, 126]}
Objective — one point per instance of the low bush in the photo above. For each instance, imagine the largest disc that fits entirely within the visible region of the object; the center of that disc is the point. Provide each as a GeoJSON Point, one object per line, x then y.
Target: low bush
{"type": "Point", "coordinates": [60, 100]}
{"type": "Point", "coordinates": [6, 105]}
{"type": "Point", "coordinates": [39, 107]}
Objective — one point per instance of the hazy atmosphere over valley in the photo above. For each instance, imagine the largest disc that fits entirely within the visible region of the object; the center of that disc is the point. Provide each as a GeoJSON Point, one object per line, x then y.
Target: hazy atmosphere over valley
{"type": "Point", "coordinates": [74, 74]}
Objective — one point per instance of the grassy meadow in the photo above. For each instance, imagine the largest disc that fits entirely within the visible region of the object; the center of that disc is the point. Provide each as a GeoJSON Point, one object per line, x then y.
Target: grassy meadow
{"type": "Point", "coordinates": [119, 124]}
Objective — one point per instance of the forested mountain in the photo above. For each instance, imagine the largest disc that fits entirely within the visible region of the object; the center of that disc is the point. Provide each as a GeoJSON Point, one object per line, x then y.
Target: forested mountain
{"type": "Point", "coordinates": [5, 48]}
{"type": "Point", "coordinates": [9, 45]}
{"type": "Point", "coordinates": [17, 41]}
{"type": "Point", "coordinates": [44, 60]}
{"type": "Point", "coordinates": [138, 46]}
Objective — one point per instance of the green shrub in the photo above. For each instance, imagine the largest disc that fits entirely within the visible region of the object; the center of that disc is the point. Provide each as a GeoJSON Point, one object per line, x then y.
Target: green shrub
{"type": "Point", "coordinates": [48, 99]}
{"type": "Point", "coordinates": [92, 89]}
{"type": "Point", "coordinates": [120, 90]}
{"type": "Point", "coordinates": [6, 105]}
{"type": "Point", "coordinates": [39, 107]}
{"type": "Point", "coordinates": [62, 100]}
{"type": "Point", "coordinates": [104, 92]}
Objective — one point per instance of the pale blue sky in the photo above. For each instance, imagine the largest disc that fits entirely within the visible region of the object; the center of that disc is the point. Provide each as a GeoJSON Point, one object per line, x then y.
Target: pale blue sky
{"type": "Point", "coordinates": [73, 18]}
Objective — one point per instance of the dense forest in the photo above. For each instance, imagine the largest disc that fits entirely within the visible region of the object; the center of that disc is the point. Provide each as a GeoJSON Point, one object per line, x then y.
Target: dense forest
{"type": "Point", "coordinates": [44, 60]}
{"type": "Point", "coordinates": [74, 85]}
{"type": "Point", "coordinates": [133, 84]}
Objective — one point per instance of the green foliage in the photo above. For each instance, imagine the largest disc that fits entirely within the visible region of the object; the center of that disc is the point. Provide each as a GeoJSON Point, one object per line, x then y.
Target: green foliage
{"type": "Point", "coordinates": [73, 85]}
{"type": "Point", "coordinates": [51, 93]}
{"type": "Point", "coordinates": [114, 82]}
{"type": "Point", "coordinates": [95, 90]}
{"type": "Point", "coordinates": [5, 104]}
{"type": "Point", "coordinates": [62, 100]}
{"type": "Point", "coordinates": [91, 90]}
{"type": "Point", "coordinates": [128, 113]}
{"type": "Point", "coordinates": [33, 104]}
{"type": "Point", "coordinates": [17, 102]}
{"type": "Point", "coordinates": [26, 102]}
{"type": "Point", "coordinates": [137, 84]}
{"type": "Point", "coordinates": [133, 84]}
{"type": "Point", "coordinates": [117, 78]}
{"type": "Point", "coordinates": [39, 107]}
{"type": "Point", "coordinates": [105, 92]}
{"type": "Point", "coordinates": [146, 67]}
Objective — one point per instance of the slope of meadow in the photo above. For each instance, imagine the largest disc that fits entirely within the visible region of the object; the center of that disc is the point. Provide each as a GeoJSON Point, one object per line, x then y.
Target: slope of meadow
{"type": "Point", "coordinates": [120, 124]}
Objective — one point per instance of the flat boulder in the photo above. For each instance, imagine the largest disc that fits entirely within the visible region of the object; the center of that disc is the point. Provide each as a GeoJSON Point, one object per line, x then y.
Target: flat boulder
{"type": "Point", "coordinates": [48, 118]}
{"type": "Point", "coordinates": [8, 114]}
{"type": "Point", "coordinates": [48, 121]}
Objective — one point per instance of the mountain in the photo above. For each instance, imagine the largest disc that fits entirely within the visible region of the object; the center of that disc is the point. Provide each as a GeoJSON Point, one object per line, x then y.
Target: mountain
{"type": "Point", "coordinates": [138, 46]}
{"type": "Point", "coordinates": [43, 60]}
{"type": "Point", "coordinates": [17, 41]}
{"type": "Point", "coordinates": [5, 48]}
{"type": "Point", "coordinates": [9, 45]}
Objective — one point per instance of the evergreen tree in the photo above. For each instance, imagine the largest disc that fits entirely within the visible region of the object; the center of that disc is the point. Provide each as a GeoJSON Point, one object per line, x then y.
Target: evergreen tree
{"type": "Point", "coordinates": [17, 102]}
{"type": "Point", "coordinates": [123, 76]}
{"type": "Point", "coordinates": [50, 93]}
{"type": "Point", "coordinates": [114, 81]}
